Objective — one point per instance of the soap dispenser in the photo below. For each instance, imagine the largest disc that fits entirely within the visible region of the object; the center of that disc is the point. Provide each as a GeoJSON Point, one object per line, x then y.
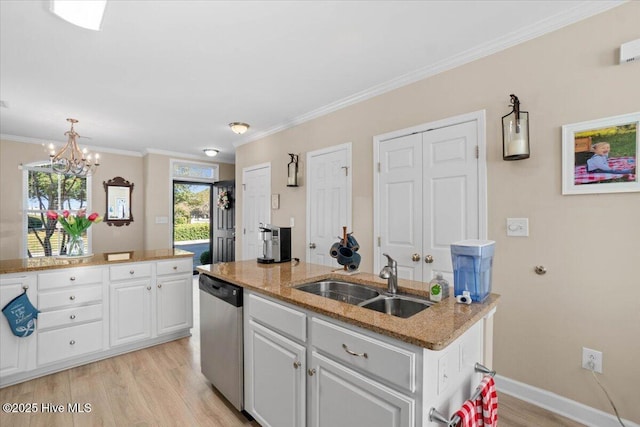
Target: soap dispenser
{"type": "Point", "coordinates": [438, 288]}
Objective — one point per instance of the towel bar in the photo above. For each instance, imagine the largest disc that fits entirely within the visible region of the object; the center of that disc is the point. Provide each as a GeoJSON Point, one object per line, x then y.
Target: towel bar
{"type": "Point", "coordinates": [435, 416]}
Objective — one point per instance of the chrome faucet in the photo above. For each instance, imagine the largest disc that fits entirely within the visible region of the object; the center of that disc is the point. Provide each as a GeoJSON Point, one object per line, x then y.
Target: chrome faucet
{"type": "Point", "coordinates": [390, 272]}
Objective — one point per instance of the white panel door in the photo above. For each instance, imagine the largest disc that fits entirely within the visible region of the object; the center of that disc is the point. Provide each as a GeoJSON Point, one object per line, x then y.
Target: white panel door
{"type": "Point", "coordinates": [428, 198]}
{"type": "Point", "coordinates": [400, 203]}
{"type": "Point", "coordinates": [328, 200]}
{"type": "Point", "coordinates": [256, 208]}
{"type": "Point", "coordinates": [450, 194]}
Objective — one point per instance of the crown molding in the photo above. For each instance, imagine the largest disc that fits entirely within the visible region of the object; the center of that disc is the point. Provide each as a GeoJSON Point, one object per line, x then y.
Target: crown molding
{"type": "Point", "coordinates": [220, 158]}
{"type": "Point", "coordinates": [581, 11]}
{"type": "Point", "coordinates": [94, 148]}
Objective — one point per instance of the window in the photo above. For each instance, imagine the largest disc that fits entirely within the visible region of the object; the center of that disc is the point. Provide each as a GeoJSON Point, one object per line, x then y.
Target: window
{"type": "Point", "coordinates": [47, 190]}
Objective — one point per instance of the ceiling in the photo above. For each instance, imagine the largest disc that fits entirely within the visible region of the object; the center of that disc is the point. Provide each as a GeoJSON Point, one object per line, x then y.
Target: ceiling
{"type": "Point", "coordinates": [168, 76]}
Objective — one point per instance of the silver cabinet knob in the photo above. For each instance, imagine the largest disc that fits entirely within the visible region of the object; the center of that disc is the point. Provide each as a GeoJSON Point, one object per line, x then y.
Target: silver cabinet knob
{"type": "Point", "coordinates": [159, 285]}
{"type": "Point", "coordinates": [72, 297]}
{"type": "Point", "coordinates": [72, 342]}
{"type": "Point", "coordinates": [175, 267]}
{"type": "Point", "coordinates": [131, 272]}
{"type": "Point", "coordinates": [73, 316]}
{"type": "Point", "coordinates": [415, 257]}
{"type": "Point", "coordinates": [72, 278]}
{"type": "Point", "coordinates": [297, 364]}
{"type": "Point", "coordinates": [312, 245]}
{"type": "Point", "coordinates": [311, 372]}
{"type": "Point", "coordinates": [428, 259]}
{"type": "Point", "coordinates": [148, 288]}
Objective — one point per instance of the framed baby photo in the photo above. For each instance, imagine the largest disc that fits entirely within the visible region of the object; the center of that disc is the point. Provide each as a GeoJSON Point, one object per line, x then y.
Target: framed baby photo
{"type": "Point", "coordinates": [601, 156]}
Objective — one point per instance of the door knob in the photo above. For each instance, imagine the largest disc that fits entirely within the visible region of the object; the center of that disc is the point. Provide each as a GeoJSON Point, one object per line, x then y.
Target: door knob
{"type": "Point", "coordinates": [415, 257]}
{"type": "Point", "coordinates": [312, 245]}
{"type": "Point", "coordinates": [428, 259]}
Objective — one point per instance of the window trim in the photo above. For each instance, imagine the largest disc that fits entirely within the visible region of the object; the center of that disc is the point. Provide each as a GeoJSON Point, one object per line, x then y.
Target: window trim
{"type": "Point", "coordinates": [37, 166]}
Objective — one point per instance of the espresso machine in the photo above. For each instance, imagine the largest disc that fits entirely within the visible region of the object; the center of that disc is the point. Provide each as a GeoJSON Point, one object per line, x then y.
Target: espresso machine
{"type": "Point", "coordinates": [276, 244]}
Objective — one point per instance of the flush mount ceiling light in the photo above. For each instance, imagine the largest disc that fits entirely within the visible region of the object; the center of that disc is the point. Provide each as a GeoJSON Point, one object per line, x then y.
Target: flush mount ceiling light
{"type": "Point", "coordinates": [239, 127]}
{"type": "Point", "coordinates": [86, 14]}
{"type": "Point", "coordinates": [70, 160]}
{"type": "Point", "coordinates": [211, 152]}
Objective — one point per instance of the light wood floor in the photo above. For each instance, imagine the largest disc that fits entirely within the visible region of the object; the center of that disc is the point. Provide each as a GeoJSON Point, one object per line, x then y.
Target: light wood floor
{"type": "Point", "coordinates": [163, 386]}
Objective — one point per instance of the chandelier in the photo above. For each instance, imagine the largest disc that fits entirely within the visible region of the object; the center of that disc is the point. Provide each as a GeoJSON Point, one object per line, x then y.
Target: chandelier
{"type": "Point", "coordinates": [70, 160]}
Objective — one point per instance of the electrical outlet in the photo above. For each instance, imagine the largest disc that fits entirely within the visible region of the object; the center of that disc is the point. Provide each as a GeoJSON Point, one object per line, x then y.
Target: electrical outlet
{"type": "Point", "coordinates": [592, 360]}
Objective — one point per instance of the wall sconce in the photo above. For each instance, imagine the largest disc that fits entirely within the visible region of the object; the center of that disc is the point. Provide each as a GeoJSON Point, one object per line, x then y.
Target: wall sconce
{"type": "Point", "coordinates": [515, 132]}
{"type": "Point", "coordinates": [292, 171]}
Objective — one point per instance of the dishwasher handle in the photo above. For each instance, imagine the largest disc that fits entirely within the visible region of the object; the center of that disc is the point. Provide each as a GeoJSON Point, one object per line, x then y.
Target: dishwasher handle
{"type": "Point", "coordinates": [220, 289]}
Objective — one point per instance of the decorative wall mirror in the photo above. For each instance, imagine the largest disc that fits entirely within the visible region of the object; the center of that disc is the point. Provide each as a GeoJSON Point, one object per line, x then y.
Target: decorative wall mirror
{"type": "Point", "coordinates": [118, 201]}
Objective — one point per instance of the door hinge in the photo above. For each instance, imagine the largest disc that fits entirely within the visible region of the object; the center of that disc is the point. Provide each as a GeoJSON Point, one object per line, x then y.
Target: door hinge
{"type": "Point", "coordinates": [244, 231]}
{"type": "Point", "coordinates": [244, 186]}
{"type": "Point", "coordinates": [379, 241]}
{"type": "Point", "coordinates": [379, 167]}
{"type": "Point", "coordinates": [346, 170]}
{"type": "Point", "coordinates": [477, 152]}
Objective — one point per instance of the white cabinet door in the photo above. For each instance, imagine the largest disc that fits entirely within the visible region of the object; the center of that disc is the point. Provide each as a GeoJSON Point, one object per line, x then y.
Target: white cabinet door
{"type": "Point", "coordinates": [130, 311]}
{"type": "Point", "coordinates": [174, 298]}
{"type": "Point", "coordinates": [16, 354]}
{"type": "Point", "coordinates": [341, 397]}
{"type": "Point", "coordinates": [274, 378]}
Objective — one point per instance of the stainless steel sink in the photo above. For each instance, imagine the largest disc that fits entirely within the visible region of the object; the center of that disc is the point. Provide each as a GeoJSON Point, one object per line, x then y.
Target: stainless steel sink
{"type": "Point", "coordinates": [397, 305]}
{"type": "Point", "coordinates": [351, 293]}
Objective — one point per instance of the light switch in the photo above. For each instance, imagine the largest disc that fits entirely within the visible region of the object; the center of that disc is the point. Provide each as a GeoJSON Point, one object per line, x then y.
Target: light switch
{"type": "Point", "coordinates": [518, 227]}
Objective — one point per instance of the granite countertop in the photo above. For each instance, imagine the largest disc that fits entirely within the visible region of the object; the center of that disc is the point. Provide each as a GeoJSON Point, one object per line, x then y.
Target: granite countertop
{"type": "Point", "coordinates": [434, 328]}
{"type": "Point", "coordinates": [47, 263]}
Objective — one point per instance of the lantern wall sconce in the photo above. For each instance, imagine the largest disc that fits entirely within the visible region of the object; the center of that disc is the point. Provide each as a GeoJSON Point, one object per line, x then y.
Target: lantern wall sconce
{"type": "Point", "coordinates": [515, 132]}
{"type": "Point", "coordinates": [292, 171]}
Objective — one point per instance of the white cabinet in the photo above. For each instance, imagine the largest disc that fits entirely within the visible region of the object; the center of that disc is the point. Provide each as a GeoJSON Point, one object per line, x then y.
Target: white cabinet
{"type": "Point", "coordinates": [144, 305]}
{"type": "Point", "coordinates": [298, 362]}
{"type": "Point", "coordinates": [71, 307]}
{"type": "Point", "coordinates": [130, 311]}
{"type": "Point", "coordinates": [341, 397]}
{"type": "Point", "coordinates": [174, 295]}
{"type": "Point", "coordinates": [275, 377]}
{"type": "Point", "coordinates": [16, 354]}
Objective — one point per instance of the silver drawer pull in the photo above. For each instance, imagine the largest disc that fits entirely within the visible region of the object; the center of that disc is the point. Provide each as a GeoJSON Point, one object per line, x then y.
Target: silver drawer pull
{"type": "Point", "coordinates": [353, 353]}
{"type": "Point", "coordinates": [311, 372]}
{"type": "Point", "coordinates": [175, 267]}
{"type": "Point", "coordinates": [73, 316]}
{"type": "Point", "coordinates": [72, 297]}
{"type": "Point", "coordinates": [72, 278]}
{"type": "Point", "coordinates": [72, 342]}
{"type": "Point", "coordinates": [297, 364]}
{"type": "Point", "coordinates": [131, 272]}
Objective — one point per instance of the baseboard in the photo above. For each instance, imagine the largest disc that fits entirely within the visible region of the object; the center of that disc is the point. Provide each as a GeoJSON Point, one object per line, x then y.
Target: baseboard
{"type": "Point", "coordinates": [560, 405]}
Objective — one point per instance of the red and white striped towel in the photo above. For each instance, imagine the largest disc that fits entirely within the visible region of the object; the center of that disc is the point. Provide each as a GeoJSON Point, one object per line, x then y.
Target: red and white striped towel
{"type": "Point", "coordinates": [483, 412]}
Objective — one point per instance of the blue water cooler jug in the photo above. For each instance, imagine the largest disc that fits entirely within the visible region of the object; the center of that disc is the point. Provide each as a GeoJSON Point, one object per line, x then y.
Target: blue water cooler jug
{"type": "Point", "coordinates": [472, 261]}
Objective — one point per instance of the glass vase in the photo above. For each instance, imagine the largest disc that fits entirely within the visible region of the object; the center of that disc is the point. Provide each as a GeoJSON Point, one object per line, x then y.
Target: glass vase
{"type": "Point", "coordinates": [75, 247]}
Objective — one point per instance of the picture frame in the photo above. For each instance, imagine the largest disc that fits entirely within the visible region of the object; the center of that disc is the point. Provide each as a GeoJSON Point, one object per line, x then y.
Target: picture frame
{"type": "Point", "coordinates": [600, 156]}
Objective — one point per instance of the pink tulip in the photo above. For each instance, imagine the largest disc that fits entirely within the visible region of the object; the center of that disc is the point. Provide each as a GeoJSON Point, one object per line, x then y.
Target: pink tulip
{"type": "Point", "coordinates": [53, 215]}
{"type": "Point", "coordinates": [82, 213]}
{"type": "Point", "coordinates": [65, 213]}
{"type": "Point", "coordinates": [93, 216]}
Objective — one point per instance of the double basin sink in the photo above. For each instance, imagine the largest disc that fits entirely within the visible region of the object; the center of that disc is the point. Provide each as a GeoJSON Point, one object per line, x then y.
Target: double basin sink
{"type": "Point", "coordinates": [400, 305]}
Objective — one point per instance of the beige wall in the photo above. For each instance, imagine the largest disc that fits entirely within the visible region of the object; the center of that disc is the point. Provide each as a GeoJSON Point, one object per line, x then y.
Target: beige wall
{"type": "Point", "coordinates": [151, 197]}
{"type": "Point", "coordinates": [588, 243]}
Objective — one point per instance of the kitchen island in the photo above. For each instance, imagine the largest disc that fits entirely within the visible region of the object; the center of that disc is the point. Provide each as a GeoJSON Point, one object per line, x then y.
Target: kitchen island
{"type": "Point", "coordinates": [314, 361]}
{"type": "Point", "coordinates": [94, 307]}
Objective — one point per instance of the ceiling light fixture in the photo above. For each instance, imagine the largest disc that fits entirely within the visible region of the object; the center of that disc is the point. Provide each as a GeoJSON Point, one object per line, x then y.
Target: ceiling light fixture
{"type": "Point", "coordinates": [211, 152]}
{"type": "Point", "coordinates": [86, 14]}
{"type": "Point", "coordinates": [70, 160]}
{"type": "Point", "coordinates": [239, 127]}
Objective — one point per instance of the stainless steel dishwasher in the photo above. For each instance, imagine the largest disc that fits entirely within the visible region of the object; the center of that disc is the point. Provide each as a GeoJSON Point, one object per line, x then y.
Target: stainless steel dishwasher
{"type": "Point", "coordinates": [221, 347]}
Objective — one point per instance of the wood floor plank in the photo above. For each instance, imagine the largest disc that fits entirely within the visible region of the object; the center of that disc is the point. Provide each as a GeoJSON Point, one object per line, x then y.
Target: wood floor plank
{"type": "Point", "coordinates": [53, 393]}
{"type": "Point", "coordinates": [89, 389]}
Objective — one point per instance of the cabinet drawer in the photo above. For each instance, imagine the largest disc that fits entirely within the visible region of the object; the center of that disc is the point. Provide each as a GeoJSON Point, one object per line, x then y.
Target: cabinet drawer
{"type": "Point", "coordinates": [129, 271]}
{"type": "Point", "coordinates": [69, 297]}
{"type": "Point", "coordinates": [69, 316]}
{"type": "Point", "coordinates": [278, 317]}
{"type": "Point", "coordinates": [394, 364]}
{"type": "Point", "coordinates": [69, 277]}
{"type": "Point", "coordinates": [183, 265]}
{"type": "Point", "coordinates": [69, 342]}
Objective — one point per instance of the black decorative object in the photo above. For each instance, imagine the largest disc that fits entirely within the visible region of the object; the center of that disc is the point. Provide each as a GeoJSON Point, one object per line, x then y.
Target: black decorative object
{"type": "Point", "coordinates": [515, 132]}
{"type": "Point", "coordinates": [292, 171]}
